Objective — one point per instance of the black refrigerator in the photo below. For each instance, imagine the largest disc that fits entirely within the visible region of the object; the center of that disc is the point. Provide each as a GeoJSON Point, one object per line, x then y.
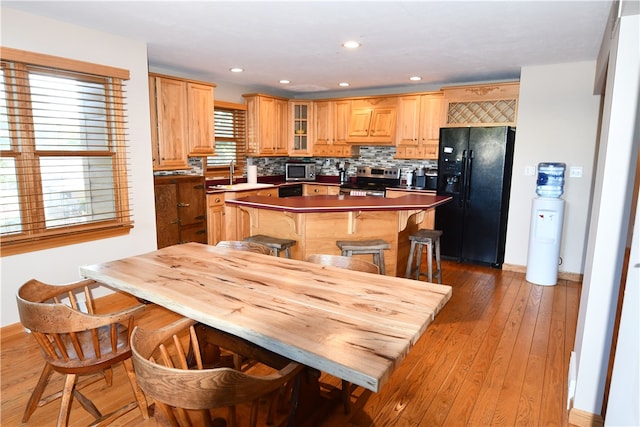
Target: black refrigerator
{"type": "Point", "coordinates": [474, 167]}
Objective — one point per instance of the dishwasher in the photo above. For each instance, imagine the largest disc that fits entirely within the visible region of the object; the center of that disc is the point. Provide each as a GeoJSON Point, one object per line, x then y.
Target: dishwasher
{"type": "Point", "coordinates": [290, 190]}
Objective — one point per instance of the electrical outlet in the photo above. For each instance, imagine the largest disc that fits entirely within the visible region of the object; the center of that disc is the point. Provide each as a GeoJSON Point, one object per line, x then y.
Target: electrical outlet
{"type": "Point", "coordinates": [529, 170]}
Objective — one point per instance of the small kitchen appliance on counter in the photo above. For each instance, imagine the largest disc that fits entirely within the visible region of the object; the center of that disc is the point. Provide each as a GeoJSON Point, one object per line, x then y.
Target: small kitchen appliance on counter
{"type": "Point", "coordinates": [300, 171]}
{"type": "Point", "coordinates": [372, 181]}
{"type": "Point", "coordinates": [425, 179]}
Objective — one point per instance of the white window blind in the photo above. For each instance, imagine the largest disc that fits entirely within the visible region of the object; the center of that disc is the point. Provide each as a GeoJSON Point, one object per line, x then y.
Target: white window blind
{"type": "Point", "coordinates": [230, 128]}
{"type": "Point", "coordinates": [63, 167]}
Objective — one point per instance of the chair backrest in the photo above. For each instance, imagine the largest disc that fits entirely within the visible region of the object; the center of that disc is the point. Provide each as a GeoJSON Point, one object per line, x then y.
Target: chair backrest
{"type": "Point", "coordinates": [345, 262]}
{"type": "Point", "coordinates": [74, 341]}
{"type": "Point", "coordinates": [245, 246]}
{"type": "Point", "coordinates": [162, 364]}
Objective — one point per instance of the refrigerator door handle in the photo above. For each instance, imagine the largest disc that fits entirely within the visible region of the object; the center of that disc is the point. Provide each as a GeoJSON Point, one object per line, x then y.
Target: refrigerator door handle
{"type": "Point", "coordinates": [467, 183]}
{"type": "Point", "coordinates": [463, 179]}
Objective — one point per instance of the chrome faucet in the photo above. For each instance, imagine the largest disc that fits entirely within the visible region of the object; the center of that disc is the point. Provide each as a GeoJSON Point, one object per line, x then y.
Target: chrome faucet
{"type": "Point", "coordinates": [231, 170]}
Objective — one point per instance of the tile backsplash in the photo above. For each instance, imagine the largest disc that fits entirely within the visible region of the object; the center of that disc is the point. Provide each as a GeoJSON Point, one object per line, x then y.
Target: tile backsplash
{"type": "Point", "coordinates": [369, 156]}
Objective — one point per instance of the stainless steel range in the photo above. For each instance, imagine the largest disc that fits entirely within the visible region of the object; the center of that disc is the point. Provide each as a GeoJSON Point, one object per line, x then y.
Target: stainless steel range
{"type": "Point", "coordinates": [372, 181]}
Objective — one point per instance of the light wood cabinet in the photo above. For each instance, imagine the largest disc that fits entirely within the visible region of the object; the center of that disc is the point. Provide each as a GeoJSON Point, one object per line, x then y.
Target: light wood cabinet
{"type": "Point", "coordinates": [215, 218]}
{"type": "Point", "coordinates": [181, 215]}
{"type": "Point", "coordinates": [200, 119]}
{"type": "Point", "coordinates": [301, 128]}
{"type": "Point", "coordinates": [418, 130]}
{"type": "Point", "coordinates": [181, 121]}
{"type": "Point", "coordinates": [320, 190]}
{"type": "Point", "coordinates": [227, 222]}
{"type": "Point", "coordinates": [268, 192]}
{"type": "Point", "coordinates": [372, 121]}
{"type": "Point", "coordinates": [331, 119]}
{"type": "Point", "coordinates": [267, 125]}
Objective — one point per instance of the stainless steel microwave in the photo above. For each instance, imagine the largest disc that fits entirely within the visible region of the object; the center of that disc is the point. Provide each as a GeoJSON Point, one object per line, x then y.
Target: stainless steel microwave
{"type": "Point", "coordinates": [300, 171]}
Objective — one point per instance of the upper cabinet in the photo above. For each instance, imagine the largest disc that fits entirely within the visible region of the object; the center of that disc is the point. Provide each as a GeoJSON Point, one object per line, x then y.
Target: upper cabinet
{"type": "Point", "coordinates": [267, 125]}
{"type": "Point", "coordinates": [372, 121]}
{"type": "Point", "coordinates": [181, 121]}
{"type": "Point", "coordinates": [418, 130]}
{"type": "Point", "coordinates": [331, 121]}
{"type": "Point", "coordinates": [300, 128]}
{"type": "Point", "coordinates": [481, 105]}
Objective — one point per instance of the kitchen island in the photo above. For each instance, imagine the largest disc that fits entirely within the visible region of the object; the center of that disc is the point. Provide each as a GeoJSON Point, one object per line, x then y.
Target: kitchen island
{"type": "Point", "coordinates": [317, 222]}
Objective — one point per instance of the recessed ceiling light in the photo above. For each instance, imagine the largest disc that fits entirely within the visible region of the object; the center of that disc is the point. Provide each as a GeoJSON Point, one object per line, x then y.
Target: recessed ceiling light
{"type": "Point", "coordinates": [285, 82]}
{"type": "Point", "coordinates": [415, 78]}
{"type": "Point", "coordinates": [236, 70]}
{"type": "Point", "coordinates": [343, 84]}
{"type": "Point", "coordinates": [351, 44]}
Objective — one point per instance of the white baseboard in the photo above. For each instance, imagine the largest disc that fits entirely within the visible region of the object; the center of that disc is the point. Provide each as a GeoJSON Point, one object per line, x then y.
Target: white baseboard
{"type": "Point", "coordinates": [571, 380]}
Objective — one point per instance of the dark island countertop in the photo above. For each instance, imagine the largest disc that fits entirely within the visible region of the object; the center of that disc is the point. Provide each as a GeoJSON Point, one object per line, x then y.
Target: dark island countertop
{"type": "Point", "coordinates": [307, 204]}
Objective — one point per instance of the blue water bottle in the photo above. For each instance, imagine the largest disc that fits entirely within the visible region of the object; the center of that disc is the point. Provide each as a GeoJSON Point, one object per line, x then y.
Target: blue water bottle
{"type": "Point", "coordinates": [550, 179]}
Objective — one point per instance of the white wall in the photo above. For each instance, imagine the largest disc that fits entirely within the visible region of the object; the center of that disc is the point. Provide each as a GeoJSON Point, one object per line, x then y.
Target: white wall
{"type": "Point", "coordinates": [56, 38]}
{"type": "Point", "coordinates": [557, 122]}
{"type": "Point", "coordinates": [610, 222]}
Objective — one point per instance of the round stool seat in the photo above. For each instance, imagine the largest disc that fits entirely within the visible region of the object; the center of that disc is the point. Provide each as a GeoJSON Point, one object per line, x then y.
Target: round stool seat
{"type": "Point", "coordinates": [420, 239]}
{"type": "Point", "coordinates": [275, 244]}
{"type": "Point", "coordinates": [376, 247]}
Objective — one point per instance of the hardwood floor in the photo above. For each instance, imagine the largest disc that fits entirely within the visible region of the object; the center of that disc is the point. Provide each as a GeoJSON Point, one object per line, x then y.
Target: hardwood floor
{"type": "Point", "coordinates": [497, 354]}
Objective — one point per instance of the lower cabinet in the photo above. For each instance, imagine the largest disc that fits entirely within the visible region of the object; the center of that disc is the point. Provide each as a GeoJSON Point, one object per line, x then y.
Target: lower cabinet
{"type": "Point", "coordinates": [215, 218]}
{"type": "Point", "coordinates": [181, 214]}
{"type": "Point", "coordinates": [320, 190]}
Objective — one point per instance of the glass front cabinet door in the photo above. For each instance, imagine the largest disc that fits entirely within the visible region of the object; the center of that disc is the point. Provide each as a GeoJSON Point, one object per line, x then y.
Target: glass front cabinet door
{"type": "Point", "coordinates": [301, 129]}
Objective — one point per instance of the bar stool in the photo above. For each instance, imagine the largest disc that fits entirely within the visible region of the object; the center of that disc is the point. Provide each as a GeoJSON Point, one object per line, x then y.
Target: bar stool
{"type": "Point", "coordinates": [428, 238]}
{"type": "Point", "coordinates": [276, 245]}
{"type": "Point", "coordinates": [374, 247]}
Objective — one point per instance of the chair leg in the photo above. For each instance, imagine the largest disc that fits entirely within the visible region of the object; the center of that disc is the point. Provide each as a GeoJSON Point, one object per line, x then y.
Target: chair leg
{"type": "Point", "coordinates": [382, 267]}
{"type": "Point", "coordinates": [430, 261]}
{"type": "Point", "coordinates": [409, 269]}
{"type": "Point", "coordinates": [67, 397]}
{"type": "Point", "coordinates": [87, 404]}
{"type": "Point", "coordinates": [419, 260]}
{"type": "Point", "coordinates": [438, 263]}
{"type": "Point", "coordinates": [137, 393]}
{"type": "Point", "coordinates": [34, 400]}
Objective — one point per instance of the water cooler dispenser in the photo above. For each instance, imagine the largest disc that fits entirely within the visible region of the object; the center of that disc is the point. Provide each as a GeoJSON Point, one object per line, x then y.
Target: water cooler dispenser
{"type": "Point", "coordinates": [547, 215]}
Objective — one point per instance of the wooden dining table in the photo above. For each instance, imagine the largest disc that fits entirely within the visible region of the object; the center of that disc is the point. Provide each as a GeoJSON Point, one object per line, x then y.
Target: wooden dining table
{"type": "Point", "coordinates": [353, 325]}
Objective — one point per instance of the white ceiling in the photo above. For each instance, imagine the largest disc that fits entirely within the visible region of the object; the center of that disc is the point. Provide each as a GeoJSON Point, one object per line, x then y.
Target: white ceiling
{"type": "Point", "coordinates": [444, 42]}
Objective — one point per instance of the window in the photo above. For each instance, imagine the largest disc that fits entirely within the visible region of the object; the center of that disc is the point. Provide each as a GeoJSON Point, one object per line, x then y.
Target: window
{"type": "Point", "coordinates": [229, 122]}
{"type": "Point", "coordinates": [63, 169]}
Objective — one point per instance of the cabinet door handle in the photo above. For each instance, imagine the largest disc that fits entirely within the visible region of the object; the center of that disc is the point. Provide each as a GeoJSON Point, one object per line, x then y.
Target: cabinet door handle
{"type": "Point", "coordinates": [201, 217]}
{"type": "Point", "coordinates": [175, 221]}
{"type": "Point", "coordinates": [316, 190]}
{"type": "Point", "coordinates": [217, 200]}
{"type": "Point", "coordinates": [198, 187]}
{"type": "Point", "coordinates": [183, 205]}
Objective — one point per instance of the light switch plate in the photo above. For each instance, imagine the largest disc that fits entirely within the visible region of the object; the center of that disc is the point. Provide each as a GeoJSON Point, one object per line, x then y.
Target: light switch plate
{"type": "Point", "coordinates": [575, 172]}
{"type": "Point", "coordinates": [529, 170]}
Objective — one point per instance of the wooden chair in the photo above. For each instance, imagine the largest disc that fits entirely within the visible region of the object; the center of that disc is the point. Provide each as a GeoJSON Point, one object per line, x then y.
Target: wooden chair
{"type": "Point", "coordinates": [348, 263]}
{"type": "Point", "coordinates": [76, 343]}
{"type": "Point", "coordinates": [245, 246]}
{"type": "Point", "coordinates": [170, 369]}
{"type": "Point", "coordinates": [345, 262]}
